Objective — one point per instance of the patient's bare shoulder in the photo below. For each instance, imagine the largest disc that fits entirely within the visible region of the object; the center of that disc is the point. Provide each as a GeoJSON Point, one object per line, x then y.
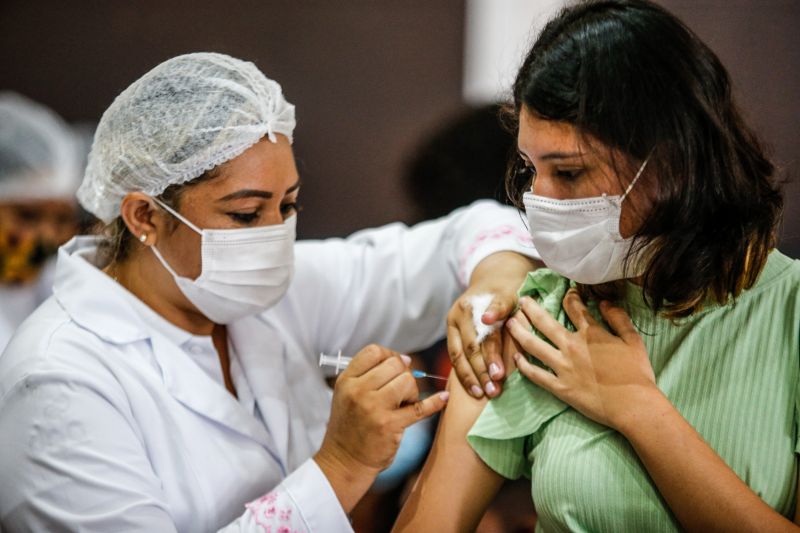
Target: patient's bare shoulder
{"type": "Point", "coordinates": [462, 409]}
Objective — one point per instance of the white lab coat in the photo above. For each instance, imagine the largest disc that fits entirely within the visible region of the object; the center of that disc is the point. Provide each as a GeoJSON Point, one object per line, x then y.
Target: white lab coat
{"type": "Point", "coordinates": [112, 419]}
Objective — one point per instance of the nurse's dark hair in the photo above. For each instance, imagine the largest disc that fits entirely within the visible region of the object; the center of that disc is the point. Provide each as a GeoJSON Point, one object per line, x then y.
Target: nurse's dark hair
{"type": "Point", "coordinates": [632, 76]}
{"type": "Point", "coordinates": [118, 242]}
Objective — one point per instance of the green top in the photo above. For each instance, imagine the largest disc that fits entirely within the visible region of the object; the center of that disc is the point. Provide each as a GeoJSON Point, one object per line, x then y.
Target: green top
{"type": "Point", "coordinates": [732, 371]}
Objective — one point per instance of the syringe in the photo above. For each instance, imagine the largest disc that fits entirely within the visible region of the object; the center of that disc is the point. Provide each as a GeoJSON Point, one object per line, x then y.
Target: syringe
{"type": "Point", "coordinates": [340, 362]}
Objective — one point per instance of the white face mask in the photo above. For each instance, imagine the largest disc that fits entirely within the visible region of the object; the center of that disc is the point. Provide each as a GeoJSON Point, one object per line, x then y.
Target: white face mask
{"type": "Point", "coordinates": [244, 271]}
{"type": "Point", "coordinates": [580, 238]}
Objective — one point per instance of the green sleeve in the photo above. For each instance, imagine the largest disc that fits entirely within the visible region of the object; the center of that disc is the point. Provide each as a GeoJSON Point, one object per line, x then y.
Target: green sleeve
{"type": "Point", "coordinates": [500, 434]}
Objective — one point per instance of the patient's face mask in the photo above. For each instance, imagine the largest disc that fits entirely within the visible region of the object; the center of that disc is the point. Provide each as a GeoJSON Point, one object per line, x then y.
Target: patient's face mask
{"type": "Point", "coordinates": [580, 239]}
{"type": "Point", "coordinates": [244, 271]}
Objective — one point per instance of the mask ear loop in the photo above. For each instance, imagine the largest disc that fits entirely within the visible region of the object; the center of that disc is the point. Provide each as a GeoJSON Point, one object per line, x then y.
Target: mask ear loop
{"type": "Point", "coordinates": [177, 215]}
{"type": "Point", "coordinates": [164, 262]}
{"type": "Point", "coordinates": [635, 178]}
{"type": "Point", "coordinates": [174, 213]}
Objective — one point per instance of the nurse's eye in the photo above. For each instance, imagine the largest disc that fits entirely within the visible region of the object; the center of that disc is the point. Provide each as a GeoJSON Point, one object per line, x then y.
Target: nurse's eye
{"type": "Point", "coordinates": [289, 208]}
{"type": "Point", "coordinates": [570, 174]}
{"type": "Point", "coordinates": [244, 218]}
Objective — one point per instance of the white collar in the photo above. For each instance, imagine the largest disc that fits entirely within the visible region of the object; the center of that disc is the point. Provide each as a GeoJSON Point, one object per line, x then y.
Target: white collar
{"type": "Point", "coordinates": [101, 305]}
{"type": "Point", "coordinates": [156, 322]}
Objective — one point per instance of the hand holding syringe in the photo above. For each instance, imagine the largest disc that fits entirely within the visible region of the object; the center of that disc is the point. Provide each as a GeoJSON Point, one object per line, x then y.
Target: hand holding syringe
{"type": "Point", "coordinates": [340, 362]}
{"type": "Point", "coordinates": [374, 400]}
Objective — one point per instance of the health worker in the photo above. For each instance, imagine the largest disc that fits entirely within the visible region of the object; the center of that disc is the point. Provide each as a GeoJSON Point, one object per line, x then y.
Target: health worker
{"type": "Point", "coordinates": [172, 381]}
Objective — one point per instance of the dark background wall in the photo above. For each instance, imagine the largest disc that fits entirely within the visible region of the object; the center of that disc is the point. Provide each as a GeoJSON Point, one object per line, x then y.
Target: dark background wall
{"type": "Point", "coordinates": [757, 40]}
{"type": "Point", "coordinates": [368, 77]}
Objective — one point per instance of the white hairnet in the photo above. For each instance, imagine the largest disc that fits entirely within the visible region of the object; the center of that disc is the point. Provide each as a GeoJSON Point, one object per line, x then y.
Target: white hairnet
{"type": "Point", "coordinates": [39, 155]}
{"type": "Point", "coordinates": [184, 117]}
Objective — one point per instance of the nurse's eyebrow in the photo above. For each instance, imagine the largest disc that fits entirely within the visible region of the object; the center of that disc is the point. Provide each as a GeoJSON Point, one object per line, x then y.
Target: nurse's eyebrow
{"type": "Point", "coordinates": [255, 193]}
{"type": "Point", "coordinates": [246, 193]}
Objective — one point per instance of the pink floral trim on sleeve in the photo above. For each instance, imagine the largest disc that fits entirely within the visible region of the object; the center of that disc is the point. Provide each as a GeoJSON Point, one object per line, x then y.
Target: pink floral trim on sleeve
{"type": "Point", "coordinates": [501, 232]}
{"type": "Point", "coordinates": [273, 513]}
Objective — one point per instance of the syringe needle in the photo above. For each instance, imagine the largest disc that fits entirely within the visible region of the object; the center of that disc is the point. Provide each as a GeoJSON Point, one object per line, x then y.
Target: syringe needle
{"type": "Point", "coordinates": [421, 374]}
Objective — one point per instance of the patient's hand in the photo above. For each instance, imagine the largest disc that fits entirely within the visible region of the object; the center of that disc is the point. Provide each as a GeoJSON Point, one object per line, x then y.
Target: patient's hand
{"type": "Point", "coordinates": [603, 374]}
{"type": "Point", "coordinates": [480, 366]}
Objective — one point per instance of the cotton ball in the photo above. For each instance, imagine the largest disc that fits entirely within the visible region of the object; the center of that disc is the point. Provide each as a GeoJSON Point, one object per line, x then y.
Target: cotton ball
{"type": "Point", "coordinates": [479, 303]}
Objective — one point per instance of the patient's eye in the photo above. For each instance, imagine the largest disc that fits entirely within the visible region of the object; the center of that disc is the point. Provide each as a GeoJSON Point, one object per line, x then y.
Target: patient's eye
{"type": "Point", "coordinates": [524, 168]}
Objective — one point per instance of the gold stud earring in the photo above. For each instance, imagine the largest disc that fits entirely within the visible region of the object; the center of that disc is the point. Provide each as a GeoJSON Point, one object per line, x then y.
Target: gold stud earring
{"type": "Point", "coordinates": [143, 238]}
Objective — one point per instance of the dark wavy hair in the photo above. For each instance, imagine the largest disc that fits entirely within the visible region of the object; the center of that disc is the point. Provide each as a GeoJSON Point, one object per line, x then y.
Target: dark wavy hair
{"type": "Point", "coordinates": [630, 75]}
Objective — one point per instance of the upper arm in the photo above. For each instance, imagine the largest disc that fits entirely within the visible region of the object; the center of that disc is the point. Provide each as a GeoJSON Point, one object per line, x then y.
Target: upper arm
{"type": "Point", "coordinates": [454, 477]}
{"type": "Point", "coordinates": [76, 463]}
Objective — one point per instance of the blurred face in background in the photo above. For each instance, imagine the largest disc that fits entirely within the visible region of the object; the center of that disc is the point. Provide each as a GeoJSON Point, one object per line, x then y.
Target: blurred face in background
{"type": "Point", "coordinates": [30, 232]}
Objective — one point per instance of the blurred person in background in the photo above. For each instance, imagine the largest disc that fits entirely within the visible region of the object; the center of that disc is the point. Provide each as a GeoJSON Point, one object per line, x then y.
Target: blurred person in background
{"type": "Point", "coordinates": [462, 160]}
{"type": "Point", "coordinates": [40, 170]}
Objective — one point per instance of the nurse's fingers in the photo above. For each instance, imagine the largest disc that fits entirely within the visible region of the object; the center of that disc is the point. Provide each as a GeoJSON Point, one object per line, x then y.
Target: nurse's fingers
{"type": "Point", "coordinates": [458, 358]}
{"type": "Point", "coordinates": [499, 310]}
{"type": "Point", "coordinates": [369, 357]}
{"type": "Point", "coordinates": [493, 354]}
{"type": "Point", "coordinates": [460, 324]}
{"type": "Point", "coordinates": [416, 411]}
{"type": "Point", "coordinates": [473, 349]}
{"type": "Point", "coordinates": [401, 389]}
{"type": "Point", "coordinates": [384, 372]}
